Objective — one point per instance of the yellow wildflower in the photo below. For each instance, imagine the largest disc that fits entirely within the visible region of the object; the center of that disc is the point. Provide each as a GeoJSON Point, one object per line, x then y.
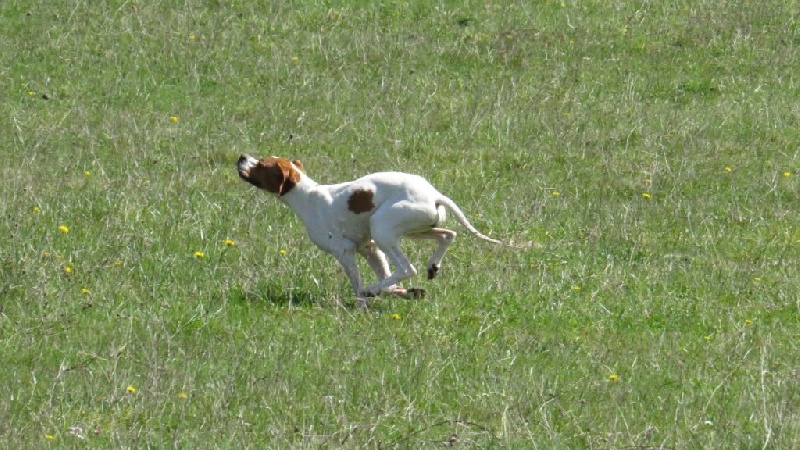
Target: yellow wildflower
{"type": "Point", "coordinates": [63, 228]}
{"type": "Point", "coordinates": [556, 193]}
{"type": "Point", "coordinates": [787, 174]}
{"type": "Point", "coordinates": [229, 242]}
{"type": "Point", "coordinates": [199, 254]}
{"type": "Point", "coordinates": [49, 437]}
{"type": "Point", "coordinates": [173, 118]}
{"type": "Point", "coordinates": [183, 395]}
{"type": "Point", "coordinates": [646, 195]}
{"type": "Point", "coordinates": [131, 389]}
{"type": "Point", "coordinates": [395, 316]}
{"type": "Point", "coordinates": [283, 251]}
{"type": "Point", "coordinates": [613, 377]}
{"type": "Point", "coordinates": [67, 269]}
{"type": "Point", "coordinates": [85, 291]}
{"type": "Point", "coordinates": [728, 169]}
{"type": "Point", "coordinates": [36, 210]}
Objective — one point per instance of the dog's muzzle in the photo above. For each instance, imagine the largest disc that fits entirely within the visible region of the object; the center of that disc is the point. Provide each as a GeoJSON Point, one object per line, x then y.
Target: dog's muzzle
{"type": "Point", "coordinates": [244, 165]}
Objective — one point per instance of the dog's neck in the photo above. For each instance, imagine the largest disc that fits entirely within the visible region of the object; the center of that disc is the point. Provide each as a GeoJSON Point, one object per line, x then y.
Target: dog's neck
{"type": "Point", "coordinates": [297, 198]}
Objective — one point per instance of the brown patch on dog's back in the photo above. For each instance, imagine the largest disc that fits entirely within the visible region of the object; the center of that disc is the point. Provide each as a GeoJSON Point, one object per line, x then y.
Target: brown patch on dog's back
{"type": "Point", "coordinates": [360, 201]}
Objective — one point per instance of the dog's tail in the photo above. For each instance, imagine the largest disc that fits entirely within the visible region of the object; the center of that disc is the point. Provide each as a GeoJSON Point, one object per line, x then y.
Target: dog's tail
{"type": "Point", "coordinates": [462, 219]}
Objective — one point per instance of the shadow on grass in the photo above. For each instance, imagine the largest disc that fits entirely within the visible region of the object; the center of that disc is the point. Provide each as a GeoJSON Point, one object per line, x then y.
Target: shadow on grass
{"type": "Point", "coordinates": [273, 294]}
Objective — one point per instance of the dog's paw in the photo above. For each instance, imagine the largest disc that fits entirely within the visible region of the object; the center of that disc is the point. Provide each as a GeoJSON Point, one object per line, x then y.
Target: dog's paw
{"type": "Point", "coordinates": [412, 293]}
{"type": "Point", "coordinates": [432, 270]}
{"type": "Point", "coordinates": [415, 293]}
{"type": "Point", "coordinates": [361, 303]}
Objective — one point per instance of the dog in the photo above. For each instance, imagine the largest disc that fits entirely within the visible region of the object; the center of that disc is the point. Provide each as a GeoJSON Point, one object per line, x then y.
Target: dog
{"type": "Point", "coordinates": [367, 216]}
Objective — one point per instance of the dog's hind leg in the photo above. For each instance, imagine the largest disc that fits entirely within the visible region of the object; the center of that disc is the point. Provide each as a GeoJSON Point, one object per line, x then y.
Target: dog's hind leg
{"type": "Point", "coordinates": [444, 238]}
{"type": "Point", "coordinates": [403, 269]}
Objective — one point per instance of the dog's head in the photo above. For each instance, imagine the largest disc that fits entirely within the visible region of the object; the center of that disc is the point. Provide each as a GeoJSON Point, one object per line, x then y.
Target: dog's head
{"type": "Point", "coordinates": [273, 174]}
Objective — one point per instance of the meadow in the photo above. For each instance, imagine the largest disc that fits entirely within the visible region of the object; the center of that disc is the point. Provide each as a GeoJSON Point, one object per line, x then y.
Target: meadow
{"type": "Point", "coordinates": [643, 154]}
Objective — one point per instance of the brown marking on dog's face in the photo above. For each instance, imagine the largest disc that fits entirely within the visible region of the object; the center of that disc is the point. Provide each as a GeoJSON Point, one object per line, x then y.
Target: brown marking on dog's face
{"type": "Point", "coordinates": [272, 174]}
{"type": "Point", "coordinates": [360, 201]}
{"type": "Point", "coordinates": [299, 165]}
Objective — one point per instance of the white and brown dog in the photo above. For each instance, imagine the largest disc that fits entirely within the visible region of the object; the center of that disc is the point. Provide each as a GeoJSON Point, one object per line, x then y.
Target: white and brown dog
{"type": "Point", "coordinates": [367, 216]}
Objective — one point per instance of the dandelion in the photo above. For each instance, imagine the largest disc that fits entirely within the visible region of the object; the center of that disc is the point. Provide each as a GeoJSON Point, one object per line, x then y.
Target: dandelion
{"type": "Point", "coordinates": [756, 279]}
{"type": "Point", "coordinates": [85, 291]}
{"type": "Point", "coordinates": [199, 254]}
{"type": "Point", "coordinates": [283, 252]}
{"type": "Point", "coordinates": [183, 395]}
{"type": "Point", "coordinates": [708, 338]}
{"type": "Point", "coordinates": [67, 269]}
{"type": "Point", "coordinates": [131, 389]}
{"type": "Point", "coordinates": [295, 58]}
{"type": "Point", "coordinates": [63, 228]}
{"type": "Point", "coordinates": [87, 173]}
{"type": "Point", "coordinates": [787, 174]}
{"type": "Point", "coordinates": [646, 195]}
{"type": "Point", "coordinates": [192, 37]}
{"type": "Point", "coordinates": [395, 316]}
{"type": "Point", "coordinates": [36, 210]}
{"type": "Point", "coordinates": [117, 264]}
{"type": "Point", "coordinates": [613, 377]}
{"type": "Point", "coordinates": [728, 169]}
{"type": "Point", "coordinates": [556, 193]}
{"type": "Point", "coordinates": [229, 242]}
{"type": "Point", "coordinates": [49, 437]}
{"type": "Point", "coordinates": [748, 321]}
{"type": "Point", "coordinates": [173, 118]}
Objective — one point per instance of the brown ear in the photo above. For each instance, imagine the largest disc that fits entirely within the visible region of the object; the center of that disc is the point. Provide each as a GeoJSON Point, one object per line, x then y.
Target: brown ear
{"type": "Point", "coordinates": [289, 175]}
{"type": "Point", "coordinates": [299, 165]}
{"type": "Point", "coordinates": [267, 175]}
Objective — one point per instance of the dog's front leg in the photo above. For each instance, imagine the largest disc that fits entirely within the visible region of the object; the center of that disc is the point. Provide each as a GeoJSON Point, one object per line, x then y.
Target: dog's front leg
{"type": "Point", "coordinates": [346, 256]}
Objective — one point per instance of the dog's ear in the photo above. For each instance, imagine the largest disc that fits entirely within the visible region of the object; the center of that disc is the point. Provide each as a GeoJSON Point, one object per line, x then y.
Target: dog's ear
{"type": "Point", "coordinates": [299, 165]}
{"type": "Point", "coordinates": [289, 175]}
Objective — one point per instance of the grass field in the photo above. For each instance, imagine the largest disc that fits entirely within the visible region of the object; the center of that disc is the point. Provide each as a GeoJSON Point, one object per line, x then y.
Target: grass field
{"type": "Point", "coordinates": [648, 150]}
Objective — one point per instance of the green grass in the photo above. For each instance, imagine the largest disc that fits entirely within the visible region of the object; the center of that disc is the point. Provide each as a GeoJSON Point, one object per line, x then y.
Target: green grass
{"type": "Point", "coordinates": [648, 150]}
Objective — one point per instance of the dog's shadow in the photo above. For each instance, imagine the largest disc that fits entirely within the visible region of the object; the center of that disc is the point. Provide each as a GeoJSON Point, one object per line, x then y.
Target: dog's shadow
{"type": "Point", "coordinates": [265, 292]}
{"type": "Point", "coordinates": [273, 294]}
